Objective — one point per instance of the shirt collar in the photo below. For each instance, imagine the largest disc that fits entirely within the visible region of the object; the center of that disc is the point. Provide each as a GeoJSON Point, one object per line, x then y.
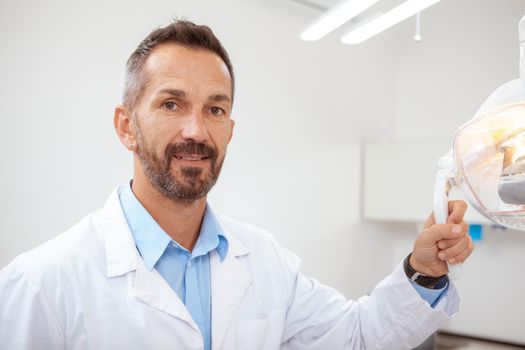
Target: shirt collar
{"type": "Point", "coordinates": [211, 236]}
{"type": "Point", "coordinates": [151, 240]}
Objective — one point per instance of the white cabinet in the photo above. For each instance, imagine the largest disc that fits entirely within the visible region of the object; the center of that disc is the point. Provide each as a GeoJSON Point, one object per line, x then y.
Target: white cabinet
{"type": "Point", "coordinates": [398, 180]}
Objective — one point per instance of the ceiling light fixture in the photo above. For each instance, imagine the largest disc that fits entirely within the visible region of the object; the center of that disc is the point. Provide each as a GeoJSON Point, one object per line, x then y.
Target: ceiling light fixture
{"type": "Point", "coordinates": [386, 20]}
{"type": "Point", "coordinates": [337, 15]}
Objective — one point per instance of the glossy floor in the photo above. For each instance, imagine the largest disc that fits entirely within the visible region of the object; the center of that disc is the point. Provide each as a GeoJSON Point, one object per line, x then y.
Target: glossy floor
{"type": "Point", "coordinates": [452, 342]}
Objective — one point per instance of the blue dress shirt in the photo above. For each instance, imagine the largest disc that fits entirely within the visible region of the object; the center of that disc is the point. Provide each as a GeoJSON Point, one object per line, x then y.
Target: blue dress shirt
{"type": "Point", "coordinates": [188, 273]}
{"type": "Point", "coordinates": [432, 296]}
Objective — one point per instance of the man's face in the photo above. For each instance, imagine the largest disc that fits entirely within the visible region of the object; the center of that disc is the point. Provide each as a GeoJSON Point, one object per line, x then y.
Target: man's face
{"type": "Point", "coordinates": [182, 120]}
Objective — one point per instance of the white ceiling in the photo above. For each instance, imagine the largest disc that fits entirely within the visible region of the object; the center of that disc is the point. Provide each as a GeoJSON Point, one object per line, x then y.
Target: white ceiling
{"type": "Point", "coordinates": [320, 5]}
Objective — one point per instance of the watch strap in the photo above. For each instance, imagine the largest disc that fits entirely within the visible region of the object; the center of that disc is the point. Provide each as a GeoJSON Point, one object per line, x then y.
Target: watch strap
{"type": "Point", "coordinates": [422, 280]}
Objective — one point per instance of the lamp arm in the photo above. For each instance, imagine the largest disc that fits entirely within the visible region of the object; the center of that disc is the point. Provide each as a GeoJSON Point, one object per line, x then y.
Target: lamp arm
{"type": "Point", "coordinates": [521, 29]}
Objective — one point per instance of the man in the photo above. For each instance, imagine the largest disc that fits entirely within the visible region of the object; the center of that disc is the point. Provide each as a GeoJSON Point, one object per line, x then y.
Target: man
{"type": "Point", "coordinates": [156, 268]}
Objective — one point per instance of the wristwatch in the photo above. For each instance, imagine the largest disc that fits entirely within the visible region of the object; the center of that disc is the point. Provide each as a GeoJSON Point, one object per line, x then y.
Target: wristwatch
{"type": "Point", "coordinates": [422, 280]}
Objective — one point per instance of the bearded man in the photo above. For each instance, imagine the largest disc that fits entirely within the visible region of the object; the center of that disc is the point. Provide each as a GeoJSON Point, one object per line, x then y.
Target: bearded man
{"type": "Point", "coordinates": [156, 268]}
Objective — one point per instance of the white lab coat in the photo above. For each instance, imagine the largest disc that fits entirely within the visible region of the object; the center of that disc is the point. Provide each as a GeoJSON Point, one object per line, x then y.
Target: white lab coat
{"type": "Point", "coordinates": [89, 289]}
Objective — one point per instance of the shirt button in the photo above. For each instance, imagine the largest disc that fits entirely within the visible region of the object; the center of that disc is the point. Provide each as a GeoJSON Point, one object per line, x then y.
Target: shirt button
{"type": "Point", "coordinates": [189, 265]}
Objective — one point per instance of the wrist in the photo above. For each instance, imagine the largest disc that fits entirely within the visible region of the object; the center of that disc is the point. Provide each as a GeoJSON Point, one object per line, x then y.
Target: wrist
{"type": "Point", "coordinates": [430, 282]}
{"type": "Point", "coordinates": [422, 269]}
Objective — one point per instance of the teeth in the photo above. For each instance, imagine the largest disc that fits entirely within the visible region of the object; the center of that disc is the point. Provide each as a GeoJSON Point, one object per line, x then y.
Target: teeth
{"type": "Point", "coordinates": [190, 157]}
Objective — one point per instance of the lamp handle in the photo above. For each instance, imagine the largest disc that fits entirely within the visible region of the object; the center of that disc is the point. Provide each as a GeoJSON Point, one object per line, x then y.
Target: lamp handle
{"type": "Point", "coordinates": [441, 189]}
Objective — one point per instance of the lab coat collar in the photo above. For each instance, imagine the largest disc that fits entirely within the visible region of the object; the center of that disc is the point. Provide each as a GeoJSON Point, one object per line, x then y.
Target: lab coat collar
{"type": "Point", "coordinates": [121, 252]}
{"type": "Point", "coordinates": [235, 247]}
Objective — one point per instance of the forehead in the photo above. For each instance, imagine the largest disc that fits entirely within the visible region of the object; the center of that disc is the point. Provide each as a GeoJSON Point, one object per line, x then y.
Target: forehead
{"type": "Point", "coordinates": [177, 63]}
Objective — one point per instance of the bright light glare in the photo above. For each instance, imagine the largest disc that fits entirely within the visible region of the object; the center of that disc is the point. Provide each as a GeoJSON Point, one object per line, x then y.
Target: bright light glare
{"type": "Point", "coordinates": [517, 143]}
{"type": "Point", "coordinates": [337, 15]}
{"type": "Point", "coordinates": [387, 20]}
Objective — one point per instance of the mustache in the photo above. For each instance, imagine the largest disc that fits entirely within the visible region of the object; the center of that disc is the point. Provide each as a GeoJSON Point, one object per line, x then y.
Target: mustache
{"type": "Point", "coordinates": [190, 147]}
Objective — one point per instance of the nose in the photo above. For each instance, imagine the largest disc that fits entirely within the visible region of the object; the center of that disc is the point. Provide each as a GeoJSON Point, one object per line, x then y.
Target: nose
{"type": "Point", "coordinates": [194, 128]}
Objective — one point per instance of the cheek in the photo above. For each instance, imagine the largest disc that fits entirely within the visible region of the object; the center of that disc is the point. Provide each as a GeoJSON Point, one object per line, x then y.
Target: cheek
{"type": "Point", "coordinates": [156, 136]}
{"type": "Point", "coordinates": [154, 145]}
{"type": "Point", "coordinates": [220, 135]}
{"type": "Point", "coordinates": [221, 142]}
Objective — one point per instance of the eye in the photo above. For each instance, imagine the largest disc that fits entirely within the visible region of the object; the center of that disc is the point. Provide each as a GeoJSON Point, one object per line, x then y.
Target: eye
{"type": "Point", "coordinates": [170, 105]}
{"type": "Point", "coordinates": [217, 111]}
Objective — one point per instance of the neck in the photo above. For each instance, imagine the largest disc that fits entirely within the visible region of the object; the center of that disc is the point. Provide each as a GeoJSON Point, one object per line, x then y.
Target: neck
{"type": "Point", "coordinates": [180, 220]}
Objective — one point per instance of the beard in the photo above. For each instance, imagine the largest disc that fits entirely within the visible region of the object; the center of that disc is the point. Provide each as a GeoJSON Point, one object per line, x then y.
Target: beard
{"type": "Point", "coordinates": [180, 184]}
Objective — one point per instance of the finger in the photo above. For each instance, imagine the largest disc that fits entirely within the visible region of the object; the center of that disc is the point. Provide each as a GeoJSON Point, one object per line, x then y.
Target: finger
{"type": "Point", "coordinates": [447, 243]}
{"type": "Point", "coordinates": [456, 211]}
{"type": "Point", "coordinates": [460, 258]}
{"type": "Point", "coordinates": [440, 232]}
{"type": "Point", "coordinates": [455, 250]}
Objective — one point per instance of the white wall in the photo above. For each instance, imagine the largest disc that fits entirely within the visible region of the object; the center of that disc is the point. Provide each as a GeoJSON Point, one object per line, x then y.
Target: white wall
{"type": "Point", "coordinates": [302, 110]}
{"type": "Point", "coordinates": [469, 48]}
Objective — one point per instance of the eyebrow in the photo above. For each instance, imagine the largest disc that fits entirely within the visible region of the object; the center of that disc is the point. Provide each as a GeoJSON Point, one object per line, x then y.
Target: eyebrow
{"type": "Point", "coordinates": [181, 94]}
{"type": "Point", "coordinates": [173, 92]}
{"type": "Point", "coordinates": [219, 98]}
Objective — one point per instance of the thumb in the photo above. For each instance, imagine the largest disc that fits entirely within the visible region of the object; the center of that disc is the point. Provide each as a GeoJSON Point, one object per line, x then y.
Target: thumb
{"type": "Point", "coordinates": [456, 211]}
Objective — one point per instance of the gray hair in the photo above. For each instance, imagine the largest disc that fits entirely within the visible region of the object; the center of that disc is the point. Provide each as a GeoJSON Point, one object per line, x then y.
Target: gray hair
{"type": "Point", "coordinates": [180, 32]}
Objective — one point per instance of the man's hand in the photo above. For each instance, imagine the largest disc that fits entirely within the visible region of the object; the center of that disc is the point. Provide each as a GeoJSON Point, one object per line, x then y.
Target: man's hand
{"type": "Point", "coordinates": [439, 243]}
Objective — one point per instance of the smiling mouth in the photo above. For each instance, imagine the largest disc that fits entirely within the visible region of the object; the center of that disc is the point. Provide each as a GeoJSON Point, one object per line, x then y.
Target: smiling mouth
{"type": "Point", "coordinates": [191, 157]}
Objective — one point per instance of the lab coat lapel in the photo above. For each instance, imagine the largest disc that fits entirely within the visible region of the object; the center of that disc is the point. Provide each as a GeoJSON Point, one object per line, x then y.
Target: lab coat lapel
{"type": "Point", "coordinates": [229, 283]}
{"type": "Point", "coordinates": [152, 289]}
{"type": "Point", "coordinates": [121, 254]}
{"type": "Point", "coordinates": [122, 257]}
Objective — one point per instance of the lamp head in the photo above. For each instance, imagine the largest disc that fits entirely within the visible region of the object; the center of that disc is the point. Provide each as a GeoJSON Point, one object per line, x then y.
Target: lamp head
{"type": "Point", "coordinates": [489, 157]}
{"type": "Point", "coordinates": [489, 152]}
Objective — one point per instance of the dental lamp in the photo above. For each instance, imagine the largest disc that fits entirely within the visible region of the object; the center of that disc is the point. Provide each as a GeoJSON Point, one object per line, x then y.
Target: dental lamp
{"type": "Point", "coordinates": [487, 160]}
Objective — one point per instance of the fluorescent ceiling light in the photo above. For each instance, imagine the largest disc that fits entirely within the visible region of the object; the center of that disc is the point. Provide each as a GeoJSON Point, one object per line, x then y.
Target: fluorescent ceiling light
{"type": "Point", "coordinates": [386, 20]}
{"type": "Point", "coordinates": [337, 15]}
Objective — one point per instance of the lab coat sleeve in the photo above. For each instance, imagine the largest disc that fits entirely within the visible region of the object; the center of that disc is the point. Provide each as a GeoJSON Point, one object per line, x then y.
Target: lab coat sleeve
{"type": "Point", "coordinates": [394, 316]}
{"type": "Point", "coordinates": [26, 319]}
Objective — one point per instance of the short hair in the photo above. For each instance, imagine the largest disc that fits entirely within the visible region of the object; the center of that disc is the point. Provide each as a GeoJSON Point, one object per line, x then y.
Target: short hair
{"type": "Point", "coordinates": [181, 32]}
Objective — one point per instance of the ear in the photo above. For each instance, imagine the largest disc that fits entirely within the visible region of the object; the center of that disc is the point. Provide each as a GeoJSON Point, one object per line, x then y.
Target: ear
{"type": "Point", "coordinates": [232, 127]}
{"type": "Point", "coordinates": [122, 122]}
